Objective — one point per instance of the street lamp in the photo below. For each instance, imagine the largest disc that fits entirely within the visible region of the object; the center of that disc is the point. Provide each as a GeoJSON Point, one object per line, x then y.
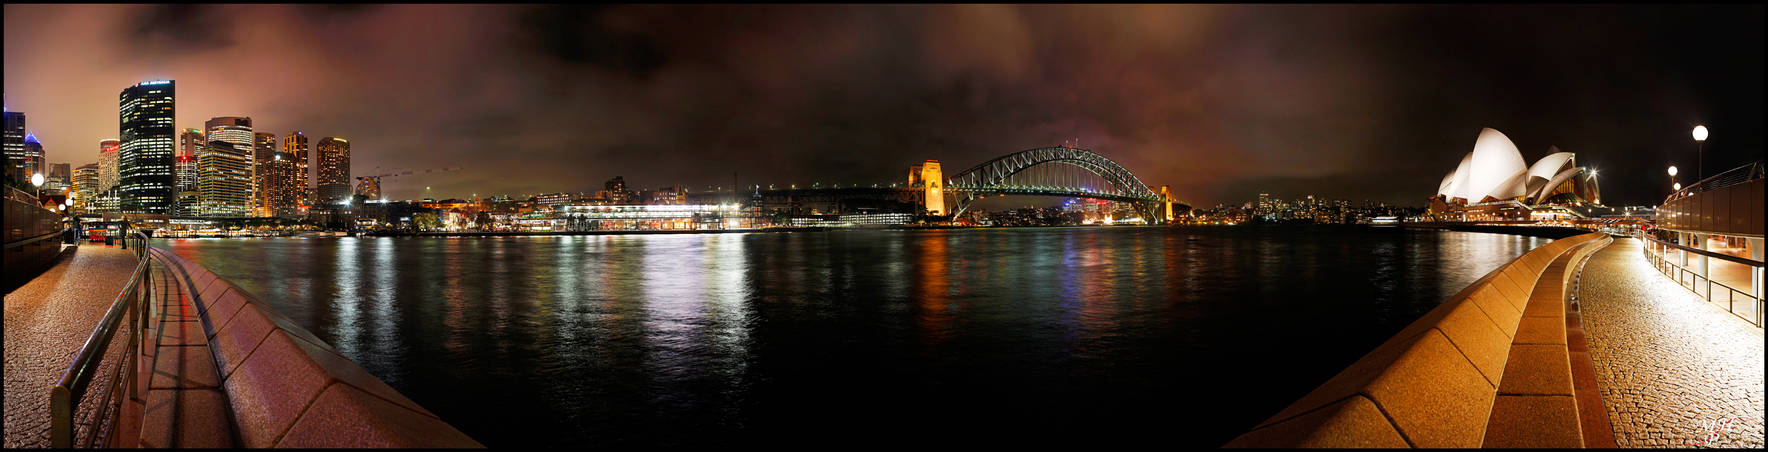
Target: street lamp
{"type": "Point", "coordinates": [1700, 139]}
{"type": "Point", "coordinates": [37, 184]}
{"type": "Point", "coordinates": [1672, 172]}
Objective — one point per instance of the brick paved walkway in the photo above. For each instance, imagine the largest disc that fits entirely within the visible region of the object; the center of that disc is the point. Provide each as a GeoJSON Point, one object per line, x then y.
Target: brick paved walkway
{"type": "Point", "coordinates": [47, 320]}
{"type": "Point", "coordinates": [1669, 365]}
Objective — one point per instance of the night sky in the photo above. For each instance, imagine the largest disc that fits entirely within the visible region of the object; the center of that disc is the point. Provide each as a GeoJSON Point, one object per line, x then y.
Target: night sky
{"type": "Point", "coordinates": [1221, 102]}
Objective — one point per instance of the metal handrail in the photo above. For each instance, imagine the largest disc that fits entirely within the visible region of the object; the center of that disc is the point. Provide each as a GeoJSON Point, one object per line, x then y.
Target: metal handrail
{"type": "Point", "coordinates": [1728, 178]}
{"type": "Point", "coordinates": [38, 238]}
{"type": "Point", "coordinates": [1678, 273]}
{"type": "Point", "coordinates": [1726, 257]}
{"type": "Point", "coordinates": [66, 395]}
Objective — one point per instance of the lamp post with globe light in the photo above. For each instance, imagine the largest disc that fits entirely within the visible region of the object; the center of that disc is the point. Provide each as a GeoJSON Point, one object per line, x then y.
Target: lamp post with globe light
{"type": "Point", "coordinates": [1673, 177]}
{"type": "Point", "coordinates": [1700, 139]}
{"type": "Point", "coordinates": [37, 187]}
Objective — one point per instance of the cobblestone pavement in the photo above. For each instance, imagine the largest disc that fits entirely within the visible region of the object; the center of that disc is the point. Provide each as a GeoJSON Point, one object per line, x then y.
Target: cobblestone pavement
{"type": "Point", "coordinates": [47, 321]}
{"type": "Point", "coordinates": [1671, 368]}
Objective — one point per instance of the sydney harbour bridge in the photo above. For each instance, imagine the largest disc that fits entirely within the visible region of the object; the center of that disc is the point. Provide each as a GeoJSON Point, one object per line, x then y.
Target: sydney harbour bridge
{"type": "Point", "coordinates": [1060, 171]}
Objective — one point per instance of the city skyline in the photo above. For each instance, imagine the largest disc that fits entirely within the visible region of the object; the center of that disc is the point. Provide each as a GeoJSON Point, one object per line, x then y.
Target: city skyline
{"type": "Point", "coordinates": [569, 95]}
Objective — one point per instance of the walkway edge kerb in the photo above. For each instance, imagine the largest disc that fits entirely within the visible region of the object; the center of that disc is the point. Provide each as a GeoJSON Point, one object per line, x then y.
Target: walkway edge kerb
{"type": "Point", "coordinates": [1434, 390]}
{"type": "Point", "coordinates": [277, 377]}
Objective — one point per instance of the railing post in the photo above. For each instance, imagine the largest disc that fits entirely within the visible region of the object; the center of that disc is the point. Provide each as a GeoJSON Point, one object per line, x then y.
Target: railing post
{"type": "Point", "coordinates": [61, 418]}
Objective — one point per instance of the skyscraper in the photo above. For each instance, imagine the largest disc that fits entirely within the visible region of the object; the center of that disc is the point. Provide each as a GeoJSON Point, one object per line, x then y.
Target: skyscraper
{"type": "Point", "coordinates": [189, 141]}
{"type": "Point", "coordinates": [222, 171]}
{"type": "Point", "coordinates": [285, 185]}
{"type": "Point", "coordinates": [85, 185]}
{"type": "Point", "coordinates": [108, 177]}
{"type": "Point", "coordinates": [224, 179]}
{"type": "Point", "coordinates": [189, 199]}
{"type": "Point", "coordinates": [14, 145]}
{"type": "Point", "coordinates": [145, 163]}
{"type": "Point", "coordinates": [334, 169]}
{"type": "Point", "coordinates": [295, 145]}
{"type": "Point", "coordinates": [31, 161]}
{"type": "Point", "coordinates": [59, 176]}
{"type": "Point", "coordinates": [263, 153]}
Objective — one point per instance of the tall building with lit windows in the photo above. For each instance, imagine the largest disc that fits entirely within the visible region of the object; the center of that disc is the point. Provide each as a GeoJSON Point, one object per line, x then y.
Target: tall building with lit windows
{"type": "Point", "coordinates": [263, 153]}
{"type": "Point", "coordinates": [145, 162]}
{"type": "Point", "coordinates": [15, 146]}
{"type": "Point", "coordinates": [85, 186]}
{"type": "Point", "coordinates": [189, 141]}
{"type": "Point", "coordinates": [284, 185]}
{"type": "Point", "coordinates": [295, 145]}
{"type": "Point", "coordinates": [224, 180]}
{"type": "Point", "coordinates": [108, 178]}
{"type": "Point", "coordinates": [333, 173]}
{"type": "Point", "coordinates": [32, 161]}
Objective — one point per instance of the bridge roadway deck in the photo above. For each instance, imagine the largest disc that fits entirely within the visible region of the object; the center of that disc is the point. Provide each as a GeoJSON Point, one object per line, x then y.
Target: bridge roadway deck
{"type": "Point", "coordinates": [1668, 364]}
{"type": "Point", "coordinates": [47, 320]}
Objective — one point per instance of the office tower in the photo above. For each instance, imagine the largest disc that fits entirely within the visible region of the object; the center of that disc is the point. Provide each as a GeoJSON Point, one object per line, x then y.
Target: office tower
{"type": "Point", "coordinates": [31, 161]}
{"type": "Point", "coordinates": [295, 145]}
{"type": "Point", "coordinates": [145, 162]}
{"type": "Point", "coordinates": [108, 178]}
{"type": "Point", "coordinates": [14, 145]}
{"type": "Point", "coordinates": [189, 198]}
{"type": "Point", "coordinates": [285, 185]}
{"type": "Point", "coordinates": [234, 131]}
{"type": "Point", "coordinates": [263, 153]}
{"type": "Point", "coordinates": [85, 186]}
{"type": "Point", "coordinates": [334, 169]}
{"type": "Point", "coordinates": [60, 176]}
{"type": "Point", "coordinates": [224, 179]}
{"type": "Point", "coordinates": [189, 141]}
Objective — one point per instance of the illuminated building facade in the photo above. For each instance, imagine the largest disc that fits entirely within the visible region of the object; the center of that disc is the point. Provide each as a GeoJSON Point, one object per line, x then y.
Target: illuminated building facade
{"type": "Point", "coordinates": [145, 161]}
{"type": "Point", "coordinates": [263, 152]}
{"type": "Point", "coordinates": [59, 177]}
{"type": "Point", "coordinates": [30, 161]}
{"type": "Point", "coordinates": [85, 185]}
{"type": "Point", "coordinates": [224, 179]}
{"type": "Point", "coordinates": [188, 194]}
{"type": "Point", "coordinates": [190, 141]}
{"type": "Point", "coordinates": [108, 178]}
{"type": "Point", "coordinates": [334, 169]}
{"type": "Point", "coordinates": [285, 186]}
{"type": "Point", "coordinates": [295, 146]}
{"type": "Point", "coordinates": [14, 145]}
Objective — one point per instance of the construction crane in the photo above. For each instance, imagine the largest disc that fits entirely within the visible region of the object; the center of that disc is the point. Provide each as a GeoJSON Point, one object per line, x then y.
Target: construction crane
{"type": "Point", "coordinates": [375, 179]}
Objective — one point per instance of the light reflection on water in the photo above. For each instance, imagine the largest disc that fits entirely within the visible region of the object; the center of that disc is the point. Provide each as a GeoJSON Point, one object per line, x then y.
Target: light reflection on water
{"type": "Point", "coordinates": [720, 339]}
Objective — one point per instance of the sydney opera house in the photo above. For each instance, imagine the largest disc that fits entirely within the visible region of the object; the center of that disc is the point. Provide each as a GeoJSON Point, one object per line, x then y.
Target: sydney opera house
{"type": "Point", "coordinates": [1493, 183]}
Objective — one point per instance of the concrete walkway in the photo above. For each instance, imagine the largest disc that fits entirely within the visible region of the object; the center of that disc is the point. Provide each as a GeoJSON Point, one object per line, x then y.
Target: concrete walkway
{"type": "Point", "coordinates": [47, 321]}
{"type": "Point", "coordinates": [1672, 368]}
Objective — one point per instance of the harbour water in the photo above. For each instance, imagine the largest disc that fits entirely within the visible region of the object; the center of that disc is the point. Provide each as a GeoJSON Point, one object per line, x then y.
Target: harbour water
{"type": "Point", "coordinates": [1085, 335]}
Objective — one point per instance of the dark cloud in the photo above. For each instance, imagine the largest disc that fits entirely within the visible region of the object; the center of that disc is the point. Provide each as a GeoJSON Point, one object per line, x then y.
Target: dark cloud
{"type": "Point", "coordinates": [1221, 102]}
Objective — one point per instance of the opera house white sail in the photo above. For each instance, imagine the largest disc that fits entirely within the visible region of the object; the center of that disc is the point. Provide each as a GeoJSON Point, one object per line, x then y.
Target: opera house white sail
{"type": "Point", "coordinates": [1495, 171]}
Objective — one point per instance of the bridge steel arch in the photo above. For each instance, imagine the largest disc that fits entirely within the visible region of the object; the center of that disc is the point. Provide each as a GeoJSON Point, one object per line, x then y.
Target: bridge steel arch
{"type": "Point", "coordinates": [990, 177]}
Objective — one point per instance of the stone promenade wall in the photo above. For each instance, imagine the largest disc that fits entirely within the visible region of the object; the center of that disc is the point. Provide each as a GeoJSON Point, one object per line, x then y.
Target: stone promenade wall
{"type": "Point", "coordinates": [1431, 385]}
{"type": "Point", "coordinates": [287, 388]}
